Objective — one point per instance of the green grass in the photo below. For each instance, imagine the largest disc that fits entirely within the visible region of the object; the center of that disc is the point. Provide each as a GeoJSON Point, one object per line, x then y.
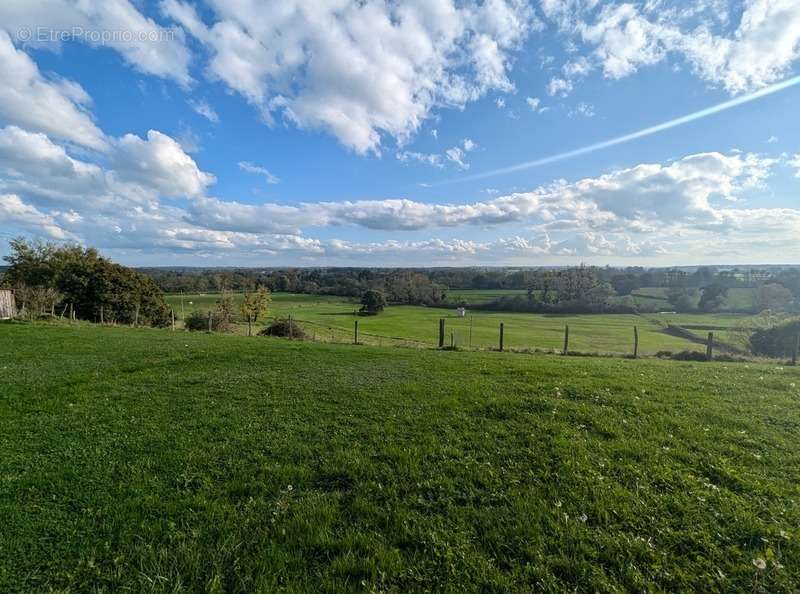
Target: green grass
{"type": "Point", "coordinates": [479, 296]}
{"type": "Point", "coordinates": [331, 319]}
{"type": "Point", "coordinates": [146, 460]}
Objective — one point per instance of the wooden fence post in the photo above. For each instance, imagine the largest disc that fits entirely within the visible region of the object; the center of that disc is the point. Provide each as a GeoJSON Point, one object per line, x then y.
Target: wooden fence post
{"type": "Point", "coordinates": [172, 315]}
{"type": "Point", "coordinates": [102, 317]}
{"type": "Point", "coordinates": [635, 342]}
{"type": "Point", "coordinates": [566, 339]}
{"type": "Point", "coordinates": [710, 346]}
{"type": "Point", "coordinates": [441, 333]}
{"type": "Point", "coordinates": [136, 319]}
{"type": "Point", "coordinates": [210, 321]}
{"type": "Point", "coordinates": [355, 332]}
{"type": "Point", "coordinates": [796, 350]}
{"type": "Point", "coordinates": [501, 336]}
{"type": "Point", "coordinates": [249, 325]}
{"type": "Point", "coordinates": [470, 331]}
{"type": "Point", "coordinates": [291, 329]}
{"type": "Point", "coordinates": [452, 339]}
{"type": "Point", "coordinates": [71, 313]}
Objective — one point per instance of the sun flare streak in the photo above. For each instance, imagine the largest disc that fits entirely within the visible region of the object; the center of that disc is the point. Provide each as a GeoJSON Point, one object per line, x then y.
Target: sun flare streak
{"type": "Point", "coordinates": [697, 115]}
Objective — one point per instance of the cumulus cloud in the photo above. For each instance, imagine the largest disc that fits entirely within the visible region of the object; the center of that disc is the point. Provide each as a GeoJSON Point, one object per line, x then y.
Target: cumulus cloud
{"type": "Point", "coordinates": [139, 172]}
{"type": "Point", "coordinates": [359, 70]}
{"type": "Point", "coordinates": [117, 24]}
{"type": "Point", "coordinates": [642, 198]}
{"type": "Point", "coordinates": [644, 211]}
{"type": "Point", "coordinates": [57, 107]}
{"type": "Point", "coordinates": [13, 211]}
{"type": "Point", "coordinates": [158, 162]}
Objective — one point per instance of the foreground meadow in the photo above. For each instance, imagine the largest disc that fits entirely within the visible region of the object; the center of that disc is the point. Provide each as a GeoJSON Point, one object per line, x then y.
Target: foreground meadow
{"type": "Point", "coordinates": [331, 319]}
{"type": "Point", "coordinates": [146, 460]}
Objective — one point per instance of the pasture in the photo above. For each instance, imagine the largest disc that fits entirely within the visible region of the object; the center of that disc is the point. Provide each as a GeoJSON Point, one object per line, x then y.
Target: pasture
{"type": "Point", "coordinates": [147, 460]}
{"type": "Point", "coordinates": [331, 319]}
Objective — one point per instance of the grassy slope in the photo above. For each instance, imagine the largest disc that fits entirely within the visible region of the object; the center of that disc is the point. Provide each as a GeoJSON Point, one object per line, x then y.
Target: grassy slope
{"type": "Point", "coordinates": [331, 319]}
{"type": "Point", "coordinates": [161, 462]}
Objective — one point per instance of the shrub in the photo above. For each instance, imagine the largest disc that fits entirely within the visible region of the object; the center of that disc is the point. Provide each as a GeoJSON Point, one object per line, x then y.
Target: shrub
{"type": "Point", "coordinates": [284, 328]}
{"type": "Point", "coordinates": [777, 341]}
{"type": "Point", "coordinates": [373, 302]}
{"type": "Point", "coordinates": [198, 321]}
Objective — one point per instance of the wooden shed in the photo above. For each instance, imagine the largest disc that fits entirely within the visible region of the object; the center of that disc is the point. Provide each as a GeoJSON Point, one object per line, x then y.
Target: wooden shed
{"type": "Point", "coordinates": [8, 307]}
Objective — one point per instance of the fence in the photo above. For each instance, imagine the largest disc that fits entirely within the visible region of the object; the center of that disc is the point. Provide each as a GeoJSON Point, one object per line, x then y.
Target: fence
{"type": "Point", "coordinates": [8, 308]}
{"type": "Point", "coordinates": [629, 336]}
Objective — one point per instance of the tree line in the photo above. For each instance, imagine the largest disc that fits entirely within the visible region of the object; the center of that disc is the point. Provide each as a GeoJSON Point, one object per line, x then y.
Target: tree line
{"type": "Point", "coordinates": [576, 289]}
{"type": "Point", "coordinates": [53, 280]}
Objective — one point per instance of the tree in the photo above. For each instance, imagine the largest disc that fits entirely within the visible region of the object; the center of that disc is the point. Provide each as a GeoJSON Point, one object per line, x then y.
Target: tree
{"type": "Point", "coordinates": [625, 284]}
{"type": "Point", "coordinates": [255, 305]}
{"type": "Point", "coordinates": [773, 296]}
{"type": "Point", "coordinates": [373, 302]}
{"type": "Point", "coordinates": [80, 277]}
{"type": "Point", "coordinates": [681, 300]}
{"type": "Point", "coordinates": [713, 298]}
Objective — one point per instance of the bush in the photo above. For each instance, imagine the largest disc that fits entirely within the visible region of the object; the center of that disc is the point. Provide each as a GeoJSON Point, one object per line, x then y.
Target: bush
{"type": "Point", "coordinates": [197, 321]}
{"type": "Point", "coordinates": [778, 341]}
{"type": "Point", "coordinates": [284, 328]}
{"type": "Point", "coordinates": [373, 302]}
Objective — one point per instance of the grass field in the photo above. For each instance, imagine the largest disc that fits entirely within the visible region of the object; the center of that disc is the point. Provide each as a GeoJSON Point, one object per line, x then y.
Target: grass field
{"type": "Point", "coordinates": [478, 296]}
{"type": "Point", "coordinates": [331, 319]}
{"type": "Point", "coordinates": [146, 460]}
{"type": "Point", "coordinates": [737, 299]}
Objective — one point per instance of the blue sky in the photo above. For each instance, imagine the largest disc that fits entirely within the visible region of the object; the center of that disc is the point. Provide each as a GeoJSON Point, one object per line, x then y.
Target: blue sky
{"type": "Point", "coordinates": [359, 133]}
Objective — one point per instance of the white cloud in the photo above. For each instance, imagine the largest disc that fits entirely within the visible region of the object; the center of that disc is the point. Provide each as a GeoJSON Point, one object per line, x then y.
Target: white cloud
{"type": "Point", "coordinates": [500, 103]}
{"type": "Point", "coordinates": [583, 109]}
{"type": "Point", "coordinates": [559, 86]}
{"type": "Point", "coordinates": [427, 158]}
{"type": "Point", "coordinates": [258, 170]}
{"type": "Point", "coordinates": [359, 70]}
{"type": "Point", "coordinates": [645, 212]}
{"type": "Point", "coordinates": [535, 104]}
{"type": "Point", "coordinates": [761, 50]}
{"type": "Point", "coordinates": [117, 24]}
{"type": "Point", "coordinates": [644, 198]}
{"type": "Point", "coordinates": [204, 109]}
{"type": "Point", "coordinates": [456, 155]}
{"type": "Point", "coordinates": [622, 38]}
{"type": "Point", "coordinates": [13, 211]}
{"type": "Point", "coordinates": [158, 162]}
{"type": "Point", "coordinates": [141, 171]}
{"type": "Point", "coordinates": [795, 162]}
{"type": "Point", "coordinates": [57, 107]}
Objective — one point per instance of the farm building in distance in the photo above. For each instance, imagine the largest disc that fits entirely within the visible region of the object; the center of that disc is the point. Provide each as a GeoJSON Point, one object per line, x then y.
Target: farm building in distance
{"type": "Point", "coordinates": [8, 307]}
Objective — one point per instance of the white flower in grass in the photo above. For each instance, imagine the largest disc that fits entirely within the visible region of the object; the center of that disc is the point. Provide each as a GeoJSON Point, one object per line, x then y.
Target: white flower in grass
{"type": "Point", "coordinates": [760, 563]}
{"type": "Point", "coordinates": [583, 518]}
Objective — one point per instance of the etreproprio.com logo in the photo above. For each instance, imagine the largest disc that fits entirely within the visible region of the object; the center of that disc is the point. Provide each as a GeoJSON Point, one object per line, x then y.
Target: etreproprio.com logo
{"type": "Point", "coordinates": [92, 36]}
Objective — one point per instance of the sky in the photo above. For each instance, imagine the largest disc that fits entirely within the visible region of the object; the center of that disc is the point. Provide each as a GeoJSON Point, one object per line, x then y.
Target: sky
{"type": "Point", "coordinates": [403, 132]}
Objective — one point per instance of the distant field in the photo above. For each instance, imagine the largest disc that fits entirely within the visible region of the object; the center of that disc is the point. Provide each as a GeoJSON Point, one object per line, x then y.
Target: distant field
{"type": "Point", "coordinates": [738, 299]}
{"type": "Point", "coordinates": [147, 460]}
{"type": "Point", "coordinates": [478, 296]}
{"type": "Point", "coordinates": [331, 319]}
